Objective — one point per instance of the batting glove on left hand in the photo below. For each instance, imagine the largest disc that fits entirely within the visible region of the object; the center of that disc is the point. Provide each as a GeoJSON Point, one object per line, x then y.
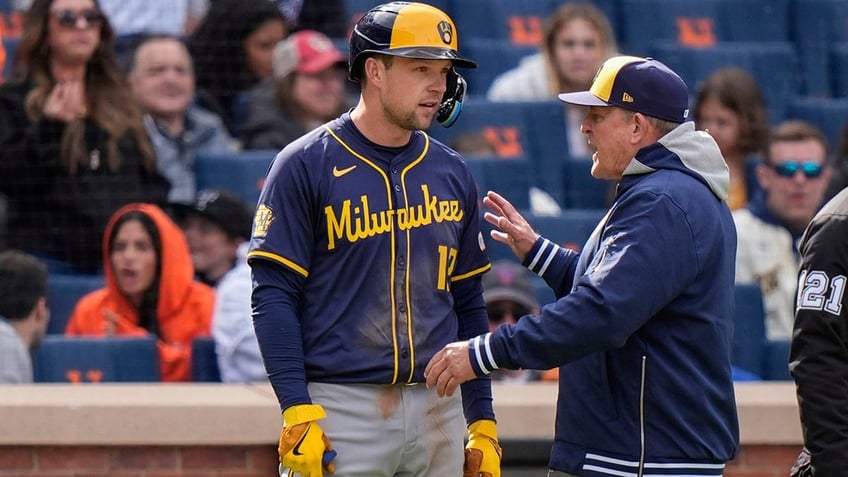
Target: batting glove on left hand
{"type": "Point", "coordinates": [304, 448]}
{"type": "Point", "coordinates": [482, 453]}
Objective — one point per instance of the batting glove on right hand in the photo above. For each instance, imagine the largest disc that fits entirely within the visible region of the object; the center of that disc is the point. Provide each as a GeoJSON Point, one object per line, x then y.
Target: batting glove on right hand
{"type": "Point", "coordinates": [304, 448]}
{"type": "Point", "coordinates": [482, 453]}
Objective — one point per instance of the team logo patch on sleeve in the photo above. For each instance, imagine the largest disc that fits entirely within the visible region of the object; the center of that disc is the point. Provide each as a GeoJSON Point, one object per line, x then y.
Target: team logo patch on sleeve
{"type": "Point", "coordinates": [480, 241]}
{"type": "Point", "coordinates": [262, 221]}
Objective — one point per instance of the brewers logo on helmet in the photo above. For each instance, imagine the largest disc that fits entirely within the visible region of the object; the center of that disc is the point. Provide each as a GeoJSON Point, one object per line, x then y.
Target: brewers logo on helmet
{"type": "Point", "coordinates": [412, 30]}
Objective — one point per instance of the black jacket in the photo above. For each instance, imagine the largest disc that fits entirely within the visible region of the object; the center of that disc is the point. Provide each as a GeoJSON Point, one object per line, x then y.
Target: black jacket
{"type": "Point", "coordinates": [52, 212]}
{"type": "Point", "coordinates": [819, 353]}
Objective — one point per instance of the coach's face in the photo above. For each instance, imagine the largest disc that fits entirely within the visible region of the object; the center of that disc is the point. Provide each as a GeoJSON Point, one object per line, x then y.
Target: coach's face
{"type": "Point", "coordinates": [610, 131]}
{"type": "Point", "coordinates": [413, 90]}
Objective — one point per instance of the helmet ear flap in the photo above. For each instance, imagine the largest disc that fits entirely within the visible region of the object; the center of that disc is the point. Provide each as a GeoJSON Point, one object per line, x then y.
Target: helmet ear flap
{"type": "Point", "coordinates": [451, 104]}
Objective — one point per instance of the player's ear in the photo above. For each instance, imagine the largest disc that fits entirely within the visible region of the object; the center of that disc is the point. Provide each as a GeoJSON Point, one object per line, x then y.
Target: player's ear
{"type": "Point", "coordinates": [373, 69]}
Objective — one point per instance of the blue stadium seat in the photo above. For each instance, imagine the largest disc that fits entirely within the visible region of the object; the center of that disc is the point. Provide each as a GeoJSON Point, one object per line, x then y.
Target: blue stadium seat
{"type": "Point", "coordinates": [533, 129]}
{"type": "Point", "coordinates": [776, 361]}
{"type": "Point", "coordinates": [772, 64]}
{"type": "Point", "coordinates": [828, 114]}
{"type": "Point", "coordinates": [581, 190]}
{"type": "Point", "coordinates": [204, 361]}
{"type": "Point", "coordinates": [570, 229]}
{"type": "Point", "coordinates": [839, 69]}
{"type": "Point", "coordinates": [508, 177]}
{"type": "Point", "coordinates": [816, 25]}
{"type": "Point", "coordinates": [11, 47]}
{"type": "Point", "coordinates": [749, 333]}
{"type": "Point", "coordinates": [63, 293]}
{"type": "Point", "coordinates": [242, 173]}
{"type": "Point", "coordinates": [519, 22]}
{"type": "Point", "coordinates": [700, 23]}
{"type": "Point", "coordinates": [494, 56]}
{"type": "Point", "coordinates": [61, 359]}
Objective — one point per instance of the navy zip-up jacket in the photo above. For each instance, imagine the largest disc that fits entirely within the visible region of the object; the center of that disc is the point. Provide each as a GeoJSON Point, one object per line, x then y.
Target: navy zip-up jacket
{"type": "Point", "coordinates": [642, 326]}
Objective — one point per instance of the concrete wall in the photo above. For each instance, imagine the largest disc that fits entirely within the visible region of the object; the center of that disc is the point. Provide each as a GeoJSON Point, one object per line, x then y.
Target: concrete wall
{"type": "Point", "coordinates": [170, 430]}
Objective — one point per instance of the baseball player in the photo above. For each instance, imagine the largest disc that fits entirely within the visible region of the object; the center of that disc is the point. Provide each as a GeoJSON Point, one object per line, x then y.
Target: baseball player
{"type": "Point", "coordinates": [366, 256]}
{"type": "Point", "coordinates": [818, 360]}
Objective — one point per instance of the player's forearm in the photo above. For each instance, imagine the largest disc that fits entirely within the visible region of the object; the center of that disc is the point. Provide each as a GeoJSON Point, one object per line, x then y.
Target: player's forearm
{"type": "Point", "coordinates": [280, 341]}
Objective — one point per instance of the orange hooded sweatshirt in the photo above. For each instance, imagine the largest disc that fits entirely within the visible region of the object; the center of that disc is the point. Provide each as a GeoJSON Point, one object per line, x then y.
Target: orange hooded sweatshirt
{"type": "Point", "coordinates": [185, 306]}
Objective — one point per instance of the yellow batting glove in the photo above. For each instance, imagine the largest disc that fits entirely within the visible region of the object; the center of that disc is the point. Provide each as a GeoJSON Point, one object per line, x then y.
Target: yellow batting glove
{"type": "Point", "coordinates": [304, 448]}
{"type": "Point", "coordinates": [482, 453]}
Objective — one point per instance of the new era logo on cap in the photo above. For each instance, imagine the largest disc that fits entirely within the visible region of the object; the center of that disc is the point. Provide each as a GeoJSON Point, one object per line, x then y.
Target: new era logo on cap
{"type": "Point", "coordinates": [643, 85]}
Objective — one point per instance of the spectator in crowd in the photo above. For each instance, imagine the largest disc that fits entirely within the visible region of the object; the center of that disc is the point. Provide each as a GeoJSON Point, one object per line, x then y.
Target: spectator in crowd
{"type": "Point", "coordinates": [729, 105]}
{"type": "Point", "coordinates": [327, 16]}
{"type": "Point", "coordinates": [73, 148]}
{"type": "Point", "coordinates": [307, 90]}
{"type": "Point", "coordinates": [150, 289]}
{"type": "Point", "coordinates": [215, 226]}
{"type": "Point", "coordinates": [641, 328]}
{"type": "Point", "coordinates": [232, 50]}
{"type": "Point", "coordinates": [577, 38]}
{"type": "Point", "coordinates": [2, 55]}
{"type": "Point", "coordinates": [818, 358]}
{"type": "Point", "coordinates": [24, 313]}
{"type": "Point", "coordinates": [162, 77]}
{"type": "Point", "coordinates": [509, 295]}
{"type": "Point", "coordinates": [839, 179]}
{"type": "Point", "coordinates": [793, 175]}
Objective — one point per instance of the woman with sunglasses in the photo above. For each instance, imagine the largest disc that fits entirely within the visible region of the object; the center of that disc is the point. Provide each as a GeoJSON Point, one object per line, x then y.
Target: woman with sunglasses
{"type": "Point", "coordinates": [793, 175]}
{"type": "Point", "coordinates": [73, 148]}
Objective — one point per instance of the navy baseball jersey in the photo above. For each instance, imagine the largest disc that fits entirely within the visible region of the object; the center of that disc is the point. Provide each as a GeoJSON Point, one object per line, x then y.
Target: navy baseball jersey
{"type": "Point", "coordinates": [379, 235]}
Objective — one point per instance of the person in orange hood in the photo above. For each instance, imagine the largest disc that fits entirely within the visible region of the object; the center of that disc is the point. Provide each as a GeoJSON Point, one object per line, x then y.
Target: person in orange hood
{"type": "Point", "coordinates": [150, 289]}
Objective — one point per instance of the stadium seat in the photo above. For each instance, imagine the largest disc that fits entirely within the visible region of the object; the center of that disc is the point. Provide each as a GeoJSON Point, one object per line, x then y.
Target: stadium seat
{"type": "Point", "coordinates": [700, 23]}
{"type": "Point", "coordinates": [828, 114]}
{"type": "Point", "coordinates": [749, 332]}
{"type": "Point", "coordinates": [534, 129]}
{"type": "Point", "coordinates": [519, 22]}
{"type": "Point", "coordinates": [494, 56]}
{"type": "Point", "coordinates": [63, 293]}
{"type": "Point", "coordinates": [508, 177]}
{"type": "Point", "coordinates": [242, 173]}
{"type": "Point", "coordinates": [772, 64]}
{"type": "Point", "coordinates": [839, 70]}
{"type": "Point", "coordinates": [581, 190]}
{"type": "Point", "coordinates": [776, 361]}
{"type": "Point", "coordinates": [61, 359]}
{"type": "Point", "coordinates": [815, 26]}
{"type": "Point", "coordinates": [204, 361]}
{"type": "Point", "coordinates": [11, 47]}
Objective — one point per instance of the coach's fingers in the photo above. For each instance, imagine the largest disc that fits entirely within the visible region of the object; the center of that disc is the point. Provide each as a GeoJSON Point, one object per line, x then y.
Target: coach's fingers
{"type": "Point", "coordinates": [434, 368]}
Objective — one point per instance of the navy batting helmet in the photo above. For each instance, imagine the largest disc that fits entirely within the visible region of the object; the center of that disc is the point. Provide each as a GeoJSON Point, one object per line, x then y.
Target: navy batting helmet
{"type": "Point", "coordinates": [412, 30]}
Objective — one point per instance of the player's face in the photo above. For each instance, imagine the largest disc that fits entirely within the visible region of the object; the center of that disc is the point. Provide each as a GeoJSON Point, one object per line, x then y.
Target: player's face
{"type": "Point", "coordinates": [577, 53]}
{"type": "Point", "coordinates": [721, 123]}
{"type": "Point", "coordinates": [259, 47]}
{"type": "Point", "coordinates": [133, 260]}
{"type": "Point", "coordinates": [794, 199]}
{"type": "Point", "coordinates": [608, 131]}
{"type": "Point", "coordinates": [162, 79]}
{"type": "Point", "coordinates": [73, 30]}
{"type": "Point", "coordinates": [321, 95]}
{"type": "Point", "coordinates": [212, 251]}
{"type": "Point", "coordinates": [413, 91]}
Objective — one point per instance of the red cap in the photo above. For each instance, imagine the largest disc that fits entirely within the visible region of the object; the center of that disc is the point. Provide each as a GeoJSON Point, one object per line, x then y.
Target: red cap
{"type": "Point", "coordinates": [306, 51]}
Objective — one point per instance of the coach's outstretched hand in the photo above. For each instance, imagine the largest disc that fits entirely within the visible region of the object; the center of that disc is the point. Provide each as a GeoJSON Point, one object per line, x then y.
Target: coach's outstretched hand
{"type": "Point", "coordinates": [304, 448]}
{"type": "Point", "coordinates": [514, 230]}
{"type": "Point", "coordinates": [482, 453]}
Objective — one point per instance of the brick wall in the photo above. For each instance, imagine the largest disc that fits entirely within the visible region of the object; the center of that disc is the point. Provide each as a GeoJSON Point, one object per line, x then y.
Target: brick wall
{"type": "Point", "coordinates": [254, 461]}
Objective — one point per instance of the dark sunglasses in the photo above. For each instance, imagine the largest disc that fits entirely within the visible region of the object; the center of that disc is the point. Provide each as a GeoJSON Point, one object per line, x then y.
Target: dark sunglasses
{"type": "Point", "coordinates": [68, 18]}
{"type": "Point", "coordinates": [498, 311]}
{"type": "Point", "coordinates": [790, 168]}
